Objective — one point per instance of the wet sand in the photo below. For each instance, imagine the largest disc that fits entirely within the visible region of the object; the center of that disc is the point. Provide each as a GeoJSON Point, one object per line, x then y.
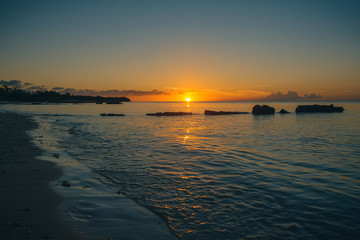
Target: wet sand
{"type": "Point", "coordinates": [29, 207]}
{"type": "Point", "coordinates": [32, 198]}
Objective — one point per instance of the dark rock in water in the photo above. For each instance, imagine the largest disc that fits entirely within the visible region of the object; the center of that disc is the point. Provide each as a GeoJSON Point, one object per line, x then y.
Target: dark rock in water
{"type": "Point", "coordinates": [318, 109]}
{"type": "Point", "coordinates": [208, 112]}
{"type": "Point", "coordinates": [169, 114]}
{"type": "Point", "coordinates": [112, 114]}
{"type": "Point", "coordinates": [72, 130]}
{"type": "Point", "coordinates": [65, 184]}
{"type": "Point", "coordinates": [265, 109]}
{"type": "Point", "coordinates": [283, 111]}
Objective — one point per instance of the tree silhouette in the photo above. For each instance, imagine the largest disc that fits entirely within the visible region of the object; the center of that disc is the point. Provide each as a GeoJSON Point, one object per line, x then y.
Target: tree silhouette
{"type": "Point", "coordinates": [14, 94]}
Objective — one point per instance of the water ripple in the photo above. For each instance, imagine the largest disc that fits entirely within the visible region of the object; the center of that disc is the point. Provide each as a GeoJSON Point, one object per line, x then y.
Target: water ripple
{"type": "Point", "coordinates": [279, 177]}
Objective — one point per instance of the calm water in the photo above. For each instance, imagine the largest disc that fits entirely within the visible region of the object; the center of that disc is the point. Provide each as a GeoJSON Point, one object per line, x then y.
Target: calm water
{"type": "Point", "coordinates": [293, 176]}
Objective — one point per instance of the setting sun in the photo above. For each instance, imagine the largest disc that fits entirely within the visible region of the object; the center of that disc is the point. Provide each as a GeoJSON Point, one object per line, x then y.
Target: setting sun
{"type": "Point", "coordinates": [188, 99]}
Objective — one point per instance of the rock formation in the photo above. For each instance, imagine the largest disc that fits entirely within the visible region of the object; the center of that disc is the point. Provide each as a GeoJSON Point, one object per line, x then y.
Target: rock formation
{"type": "Point", "coordinates": [112, 114]}
{"type": "Point", "coordinates": [318, 109]}
{"type": "Point", "coordinates": [265, 109]}
{"type": "Point", "coordinates": [283, 111]}
{"type": "Point", "coordinates": [208, 112]}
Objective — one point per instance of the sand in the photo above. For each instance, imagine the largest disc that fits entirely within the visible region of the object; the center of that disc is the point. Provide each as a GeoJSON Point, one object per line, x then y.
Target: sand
{"type": "Point", "coordinates": [29, 207]}
{"type": "Point", "coordinates": [35, 205]}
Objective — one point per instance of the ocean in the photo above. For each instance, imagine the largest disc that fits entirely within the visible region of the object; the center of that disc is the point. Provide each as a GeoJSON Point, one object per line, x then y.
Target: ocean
{"type": "Point", "coordinates": [291, 176]}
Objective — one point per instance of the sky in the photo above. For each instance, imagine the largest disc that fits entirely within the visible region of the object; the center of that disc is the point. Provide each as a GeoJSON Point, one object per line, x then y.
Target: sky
{"type": "Point", "coordinates": [167, 50]}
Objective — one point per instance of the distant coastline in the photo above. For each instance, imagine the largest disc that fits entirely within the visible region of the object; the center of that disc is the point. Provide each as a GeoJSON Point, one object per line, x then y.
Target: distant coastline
{"type": "Point", "coordinates": [17, 95]}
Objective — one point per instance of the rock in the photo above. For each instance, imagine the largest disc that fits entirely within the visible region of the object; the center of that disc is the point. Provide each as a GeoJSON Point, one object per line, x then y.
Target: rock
{"type": "Point", "coordinates": [72, 130]}
{"type": "Point", "coordinates": [208, 112]}
{"type": "Point", "coordinates": [169, 114]}
{"type": "Point", "coordinates": [65, 184]}
{"type": "Point", "coordinates": [112, 114]}
{"type": "Point", "coordinates": [265, 109]}
{"type": "Point", "coordinates": [318, 109]}
{"type": "Point", "coordinates": [283, 111]}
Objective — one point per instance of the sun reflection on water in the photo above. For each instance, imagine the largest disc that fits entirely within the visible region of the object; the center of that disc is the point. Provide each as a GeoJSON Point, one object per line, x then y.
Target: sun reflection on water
{"type": "Point", "coordinates": [185, 138]}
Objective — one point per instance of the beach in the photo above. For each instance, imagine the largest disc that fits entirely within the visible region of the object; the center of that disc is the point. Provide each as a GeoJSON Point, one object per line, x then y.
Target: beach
{"type": "Point", "coordinates": [28, 206]}
{"type": "Point", "coordinates": [34, 204]}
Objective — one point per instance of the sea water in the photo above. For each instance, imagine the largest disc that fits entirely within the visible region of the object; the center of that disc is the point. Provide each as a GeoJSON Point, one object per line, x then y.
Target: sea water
{"type": "Point", "coordinates": [292, 176]}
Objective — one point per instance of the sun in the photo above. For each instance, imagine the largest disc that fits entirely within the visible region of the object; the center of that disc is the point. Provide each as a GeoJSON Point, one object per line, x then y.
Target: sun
{"type": "Point", "coordinates": [188, 99]}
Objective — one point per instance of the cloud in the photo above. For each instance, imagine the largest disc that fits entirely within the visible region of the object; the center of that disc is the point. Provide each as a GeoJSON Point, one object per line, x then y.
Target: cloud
{"type": "Point", "coordinates": [278, 96]}
{"type": "Point", "coordinates": [35, 88]}
{"type": "Point", "coordinates": [133, 92]}
{"type": "Point", "coordinates": [11, 83]}
{"type": "Point", "coordinates": [89, 92]}
{"type": "Point", "coordinates": [312, 96]}
{"type": "Point", "coordinates": [57, 89]}
{"type": "Point", "coordinates": [290, 96]}
{"type": "Point", "coordinates": [110, 93]}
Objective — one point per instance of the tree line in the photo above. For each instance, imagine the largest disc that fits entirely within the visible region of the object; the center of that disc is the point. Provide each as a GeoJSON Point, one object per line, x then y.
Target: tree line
{"type": "Point", "coordinates": [14, 94]}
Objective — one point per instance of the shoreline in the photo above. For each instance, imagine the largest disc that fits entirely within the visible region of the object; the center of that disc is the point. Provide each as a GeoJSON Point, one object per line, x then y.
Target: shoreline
{"type": "Point", "coordinates": [35, 205]}
{"type": "Point", "coordinates": [29, 207]}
